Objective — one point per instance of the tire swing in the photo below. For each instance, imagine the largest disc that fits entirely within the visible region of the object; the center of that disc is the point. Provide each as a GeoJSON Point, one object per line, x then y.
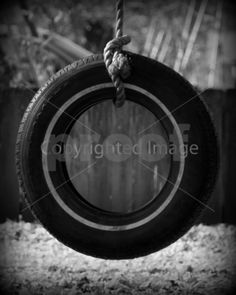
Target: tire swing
{"type": "Point", "coordinates": [48, 186]}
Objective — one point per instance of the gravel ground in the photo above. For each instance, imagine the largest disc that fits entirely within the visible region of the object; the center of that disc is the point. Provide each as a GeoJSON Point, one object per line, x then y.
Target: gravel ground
{"type": "Point", "coordinates": [33, 262]}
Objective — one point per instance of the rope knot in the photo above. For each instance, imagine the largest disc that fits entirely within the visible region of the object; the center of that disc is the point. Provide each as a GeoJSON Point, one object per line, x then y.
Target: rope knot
{"type": "Point", "coordinates": [117, 65]}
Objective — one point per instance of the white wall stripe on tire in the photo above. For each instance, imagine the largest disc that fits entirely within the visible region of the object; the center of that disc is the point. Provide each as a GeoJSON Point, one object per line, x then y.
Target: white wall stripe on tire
{"type": "Point", "coordinates": [53, 190]}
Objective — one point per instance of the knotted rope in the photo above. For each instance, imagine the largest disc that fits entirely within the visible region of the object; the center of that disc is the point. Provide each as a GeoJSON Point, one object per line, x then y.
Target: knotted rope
{"type": "Point", "coordinates": [116, 62]}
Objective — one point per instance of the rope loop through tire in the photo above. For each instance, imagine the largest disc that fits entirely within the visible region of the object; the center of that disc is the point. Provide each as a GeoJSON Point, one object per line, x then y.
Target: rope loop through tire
{"type": "Point", "coordinates": [116, 62]}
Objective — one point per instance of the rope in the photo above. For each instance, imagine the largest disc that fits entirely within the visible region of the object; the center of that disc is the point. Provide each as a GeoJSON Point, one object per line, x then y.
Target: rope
{"type": "Point", "coordinates": [116, 62]}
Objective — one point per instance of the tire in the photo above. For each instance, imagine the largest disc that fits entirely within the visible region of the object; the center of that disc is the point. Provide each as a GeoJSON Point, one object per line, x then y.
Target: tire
{"type": "Point", "coordinates": [84, 227]}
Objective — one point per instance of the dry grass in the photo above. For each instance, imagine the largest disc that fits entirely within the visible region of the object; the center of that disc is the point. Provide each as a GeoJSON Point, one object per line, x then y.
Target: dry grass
{"type": "Point", "coordinates": [33, 262]}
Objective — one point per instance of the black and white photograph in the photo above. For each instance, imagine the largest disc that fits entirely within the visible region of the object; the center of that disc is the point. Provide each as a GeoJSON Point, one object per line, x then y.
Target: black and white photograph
{"type": "Point", "coordinates": [117, 147]}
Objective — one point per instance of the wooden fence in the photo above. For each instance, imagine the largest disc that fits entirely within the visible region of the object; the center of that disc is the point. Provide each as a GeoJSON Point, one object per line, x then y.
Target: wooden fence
{"type": "Point", "coordinates": [222, 105]}
{"type": "Point", "coordinates": [128, 178]}
{"type": "Point", "coordinates": [12, 105]}
{"type": "Point", "coordinates": [118, 181]}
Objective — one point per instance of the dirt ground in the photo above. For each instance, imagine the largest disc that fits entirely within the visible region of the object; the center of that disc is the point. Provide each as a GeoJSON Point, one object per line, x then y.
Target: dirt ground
{"type": "Point", "coordinates": [33, 262]}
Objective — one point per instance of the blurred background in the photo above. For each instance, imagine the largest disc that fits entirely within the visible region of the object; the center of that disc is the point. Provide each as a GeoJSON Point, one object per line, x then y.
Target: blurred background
{"type": "Point", "coordinates": [196, 38]}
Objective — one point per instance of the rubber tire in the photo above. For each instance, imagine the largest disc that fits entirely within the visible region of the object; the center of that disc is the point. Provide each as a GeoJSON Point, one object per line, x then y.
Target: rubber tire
{"type": "Point", "coordinates": [198, 178]}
